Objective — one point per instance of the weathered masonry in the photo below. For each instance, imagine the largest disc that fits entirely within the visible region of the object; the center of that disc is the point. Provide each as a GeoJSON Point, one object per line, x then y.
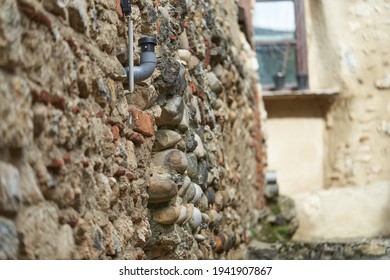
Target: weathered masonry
{"type": "Point", "coordinates": [171, 171]}
{"type": "Point", "coordinates": [329, 142]}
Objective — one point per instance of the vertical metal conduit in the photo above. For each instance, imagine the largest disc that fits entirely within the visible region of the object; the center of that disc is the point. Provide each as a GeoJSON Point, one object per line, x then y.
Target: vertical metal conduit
{"type": "Point", "coordinates": [131, 55]}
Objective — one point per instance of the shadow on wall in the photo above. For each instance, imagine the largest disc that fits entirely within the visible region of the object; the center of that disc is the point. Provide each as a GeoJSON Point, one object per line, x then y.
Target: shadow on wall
{"type": "Point", "coordinates": [297, 108]}
{"type": "Point", "coordinates": [296, 147]}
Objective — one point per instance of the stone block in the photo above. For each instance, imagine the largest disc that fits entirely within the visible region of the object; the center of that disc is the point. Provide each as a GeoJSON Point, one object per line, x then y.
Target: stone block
{"type": "Point", "coordinates": [331, 214]}
{"type": "Point", "coordinates": [161, 189]}
{"type": "Point", "coordinates": [199, 150]}
{"type": "Point", "coordinates": [10, 188]}
{"type": "Point", "coordinates": [57, 7]}
{"type": "Point", "coordinates": [31, 193]}
{"type": "Point", "coordinates": [192, 170]}
{"type": "Point", "coordinates": [39, 230]}
{"type": "Point", "coordinates": [78, 16]}
{"type": "Point", "coordinates": [9, 242]}
{"type": "Point", "coordinates": [383, 83]}
{"type": "Point", "coordinates": [172, 112]}
{"type": "Point", "coordinates": [172, 159]}
{"type": "Point", "coordinates": [165, 139]}
{"type": "Point", "coordinates": [65, 244]}
{"type": "Point", "coordinates": [142, 122]}
{"type": "Point", "coordinates": [215, 83]}
{"type": "Point", "coordinates": [11, 34]}
{"type": "Point", "coordinates": [16, 127]}
{"type": "Point", "coordinates": [166, 216]}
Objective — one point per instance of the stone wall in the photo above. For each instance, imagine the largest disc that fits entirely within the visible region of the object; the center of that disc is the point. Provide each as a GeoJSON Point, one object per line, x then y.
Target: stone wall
{"type": "Point", "coordinates": [347, 53]}
{"type": "Point", "coordinates": [348, 49]}
{"type": "Point", "coordinates": [172, 171]}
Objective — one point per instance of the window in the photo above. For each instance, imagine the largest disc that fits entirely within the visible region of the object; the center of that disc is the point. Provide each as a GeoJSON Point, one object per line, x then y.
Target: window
{"type": "Point", "coordinates": [280, 42]}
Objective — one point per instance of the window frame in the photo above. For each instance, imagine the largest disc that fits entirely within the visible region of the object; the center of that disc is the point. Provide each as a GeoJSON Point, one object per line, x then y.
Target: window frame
{"type": "Point", "coordinates": [301, 46]}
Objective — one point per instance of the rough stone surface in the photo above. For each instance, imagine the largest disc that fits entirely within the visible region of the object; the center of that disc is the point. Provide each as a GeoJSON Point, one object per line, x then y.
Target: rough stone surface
{"type": "Point", "coordinates": [57, 7]}
{"type": "Point", "coordinates": [78, 15]}
{"type": "Point", "coordinates": [172, 160]}
{"type": "Point", "coordinates": [17, 125]}
{"type": "Point", "coordinates": [373, 250]}
{"type": "Point", "coordinates": [84, 164]}
{"type": "Point", "coordinates": [383, 83]}
{"type": "Point", "coordinates": [214, 83]}
{"type": "Point", "coordinates": [31, 194]}
{"type": "Point", "coordinates": [199, 150]}
{"type": "Point", "coordinates": [142, 123]}
{"type": "Point", "coordinates": [41, 235]}
{"type": "Point", "coordinates": [172, 112]}
{"type": "Point", "coordinates": [161, 189]}
{"type": "Point", "coordinates": [192, 170]}
{"type": "Point", "coordinates": [166, 139]}
{"type": "Point", "coordinates": [323, 214]}
{"type": "Point", "coordinates": [10, 188]}
{"type": "Point", "coordinates": [9, 242]}
{"type": "Point", "coordinates": [66, 243]}
{"type": "Point", "coordinates": [363, 87]}
{"type": "Point", "coordinates": [10, 33]}
{"type": "Point", "coordinates": [166, 216]}
{"type": "Point", "coordinates": [376, 249]}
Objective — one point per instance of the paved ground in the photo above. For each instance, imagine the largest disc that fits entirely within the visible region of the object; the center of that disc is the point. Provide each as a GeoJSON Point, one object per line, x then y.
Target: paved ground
{"type": "Point", "coordinates": [374, 249]}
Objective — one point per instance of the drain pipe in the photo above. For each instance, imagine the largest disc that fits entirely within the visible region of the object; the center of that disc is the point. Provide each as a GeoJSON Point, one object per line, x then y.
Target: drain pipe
{"type": "Point", "coordinates": [148, 56]}
{"type": "Point", "coordinates": [147, 62]}
{"type": "Point", "coordinates": [271, 185]}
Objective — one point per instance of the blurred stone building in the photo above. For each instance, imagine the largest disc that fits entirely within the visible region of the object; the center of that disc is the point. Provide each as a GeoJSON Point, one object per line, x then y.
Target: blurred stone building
{"type": "Point", "coordinates": [333, 132]}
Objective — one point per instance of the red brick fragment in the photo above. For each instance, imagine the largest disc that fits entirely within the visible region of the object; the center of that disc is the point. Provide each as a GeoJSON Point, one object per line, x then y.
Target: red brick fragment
{"type": "Point", "coordinates": [120, 172]}
{"type": "Point", "coordinates": [137, 138]}
{"type": "Point", "coordinates": [158, 25]}
{"type": "Point", "coordinates": [131, 176]}
{"type": "Point", "coordinates": [57, 163]}
{"type": "Point", "coordinates": [33, 14]}
{"type": "Point", "coordinates": [73, 221]}
{"type": "Point", "coordinates": [85, 163]}
{"type": "Point", "coordinates": [46, 98]}
{"type": "Point", "coordinates": [197, 91]}
{"type": "Point", "coordinates": [43, 97]}
{"type": "Point", "coordinates": [115, 132]}
{"type": "Point", "coordinates": [207, 58]}
{"type": "Point", "coordinates": [71, 42]}
{"type": "Point", "coordinates": [202, 112]}
{"type": "Point", "coordinates": [117, 122]}
{"type": "Point", "coordinates": [57, 101]}
{"type": "Point", "coordinates": [97, 165]}
{"type": "Point", "coordinates": [142, 122]}
{"type": "Point", "coordinates": [200, 93]}
{"type": "Point", "coordinates": [67, 158]}
{"type": "Point", "coordinates": [364, 139]}
{"type": "Point", "coordinates": [76, 109]}
{"type": "Point", "coordinates": [136, 219]}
